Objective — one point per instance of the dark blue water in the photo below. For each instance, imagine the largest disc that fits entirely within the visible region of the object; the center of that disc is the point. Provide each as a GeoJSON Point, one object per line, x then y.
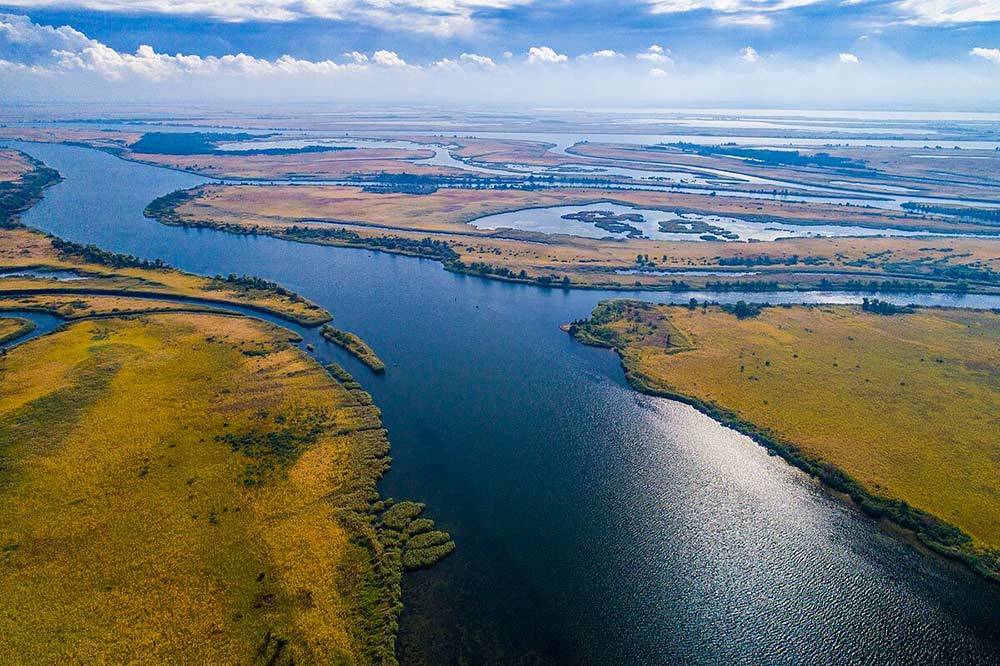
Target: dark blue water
{"type": "Point", "coordinates": [595, 525]}
{"type": "Point", "coordinates": [44, 323]}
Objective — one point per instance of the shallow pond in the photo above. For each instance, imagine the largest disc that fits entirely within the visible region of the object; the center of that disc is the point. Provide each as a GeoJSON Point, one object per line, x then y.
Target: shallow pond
{"type": "Point", "coordinates": [553, 220]}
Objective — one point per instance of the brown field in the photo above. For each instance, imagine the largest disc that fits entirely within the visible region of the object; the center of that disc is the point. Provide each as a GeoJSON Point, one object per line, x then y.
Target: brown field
{"type": "Point", "coordinates": [95, 137]}
{"type": "Point", "coordinates": [316, 166]}
{"type": "Point", "coordinates": [904, 404]}
{"type": "Point", "coordinates": [976, 175]}
{"type": "Point", "coordinates": [444, 215]}
{"type": "Point", "coordinates": [13, 165]}
{"type": "Point", "coordinates": [146, 517]}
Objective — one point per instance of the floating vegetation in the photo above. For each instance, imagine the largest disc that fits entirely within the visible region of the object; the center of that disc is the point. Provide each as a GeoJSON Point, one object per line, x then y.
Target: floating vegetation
{"type": "Point", "coordinates": [419, 544]}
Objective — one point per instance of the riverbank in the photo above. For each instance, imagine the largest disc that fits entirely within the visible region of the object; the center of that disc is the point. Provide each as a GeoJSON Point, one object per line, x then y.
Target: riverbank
{"type": "Point", "coordinates": [23, 180]}
{"type": "Point", "coordinates": [894, 411]}
{"type": "Point", "coordinates": [438, 227]}
{"type": "Point", "coordinates": [250, 453]}
{"type": "Point", "coordinates": [216, 496]}
{"type": "Point", "coordinates": [12, 328]}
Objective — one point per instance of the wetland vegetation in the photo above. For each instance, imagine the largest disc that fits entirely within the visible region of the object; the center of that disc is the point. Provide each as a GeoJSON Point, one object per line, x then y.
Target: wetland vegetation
{"type": "Point", "coordinates": [355, 346]}
{"type": "Point", "coordinates": [896, 412]}
{"type": "Point", "coordinates": [439, 226]}
{"type": "Point", "coordinates": [165, 463]}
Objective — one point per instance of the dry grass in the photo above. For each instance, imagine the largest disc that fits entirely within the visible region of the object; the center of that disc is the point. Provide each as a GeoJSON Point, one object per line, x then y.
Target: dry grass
{"type": "Point", "coordinates": [320, 165]}
{"type": "Point", "coordinates": [127, 530]}
{"type": "Point", "coordinates": [974, 174]}
{"type": "Point", "coordinates": [905, 404]}
{"type": "Point", "coordinates": [12, 328]}
{"type": "Point", "coordinates": [445, 216]}
{"type": "Point", "coordinates": [24, 248]}
{"type": "Point", "coordinates": [13, 165]}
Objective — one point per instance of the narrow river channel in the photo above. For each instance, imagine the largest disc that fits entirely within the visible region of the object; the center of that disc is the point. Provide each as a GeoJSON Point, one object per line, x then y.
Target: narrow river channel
{"type": "Point", "coordinates": [594, 525]}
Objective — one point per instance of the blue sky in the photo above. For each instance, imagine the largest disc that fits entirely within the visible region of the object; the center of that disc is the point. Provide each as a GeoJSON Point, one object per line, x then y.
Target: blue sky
{"type": "Point", "coordinates": [934, 50]}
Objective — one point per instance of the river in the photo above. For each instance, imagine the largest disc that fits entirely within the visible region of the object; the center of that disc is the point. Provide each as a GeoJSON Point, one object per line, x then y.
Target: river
{"type": "Point", "coordinates": [594, 525]}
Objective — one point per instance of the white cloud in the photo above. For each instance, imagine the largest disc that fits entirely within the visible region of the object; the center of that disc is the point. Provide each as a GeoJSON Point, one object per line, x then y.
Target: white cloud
{"type": "Point", "coordinates": [726, 6]}
{"type": "Point", "coordinates": [357, 57]}
{"type": "Point", "coordinates": [655, 53]}
{"type": "Point", "coordinates": [388, 59]}
{"type": "Point", "coordinates": [754, 13]}
{"type": "Point", "coordinates": [604, 53]}
{"type": "Point", "coordinates": [476, 59]}
{"type": "Point", "coordinates": [936, 12]}
{"type": "Point", "coordinates": [43, 48]}
{"type": "Point", "coordinates": [749, 54]}
{"type": "Point", "coordinates": [746, 20]}
{"type": "Point", "coordinates": [544, 54]}
{"type": "Point", "coordinates": [849, 58]}
{"type": "Point", "coordinates": [442, 17]}
{"type": "Point", "coordinates": [993, 55]}
{"type": "Point", "coordinates": [657, 73]}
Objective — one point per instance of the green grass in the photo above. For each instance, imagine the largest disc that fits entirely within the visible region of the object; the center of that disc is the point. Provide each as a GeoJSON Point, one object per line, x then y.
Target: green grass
{"type": "Point", "coordinates": [355, 346]}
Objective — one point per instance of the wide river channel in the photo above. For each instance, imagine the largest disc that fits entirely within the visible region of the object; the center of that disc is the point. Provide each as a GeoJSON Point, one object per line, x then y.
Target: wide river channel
{"type": "Point", "coordinates": [594, 525]}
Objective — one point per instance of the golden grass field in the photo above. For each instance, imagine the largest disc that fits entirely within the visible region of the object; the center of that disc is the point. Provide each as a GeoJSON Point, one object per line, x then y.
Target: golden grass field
{"type": "Point", "coordinates": [906, 404]}
{"type": "Point", "coordinates": [445, 216]}
{"type": "Point", "coordinates": [14, 327]}
{"type": "Point", "coordinates": [22, 248]}
{"type": "Point", "coordinates": [145, 516]}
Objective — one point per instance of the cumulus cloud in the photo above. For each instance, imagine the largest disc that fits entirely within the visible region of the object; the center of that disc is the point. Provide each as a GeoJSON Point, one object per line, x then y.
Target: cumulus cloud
{"type": "Point", "coordinates": [655, 53]}
{"type": "Point", "coordinates": [42, 48]}
{"type": "Point", "coordinates": [476, 59]}
{"type": "Point", "coordinates": [388, 59]}
{"type": "Point", "coordinates": [603, 53]}
{"type": "Point", "coordinates": [544, 54]}
{"type": "Point", "coordinates": [993, 55]}
{"type": "Point", "coordinates": [443, 17]}
{"type": "Point", "coordinates": [60, 63]}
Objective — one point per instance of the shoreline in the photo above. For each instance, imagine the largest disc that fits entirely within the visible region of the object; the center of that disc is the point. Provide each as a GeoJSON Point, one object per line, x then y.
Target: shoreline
{"type": "Point", "coordinates": [163, 211]}
{"type": "Point", "coordinates": [935, 534]}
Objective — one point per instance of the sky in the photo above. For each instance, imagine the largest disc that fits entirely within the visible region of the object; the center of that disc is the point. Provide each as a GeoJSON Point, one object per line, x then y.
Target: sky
{"type": "Point", "coordinates": [514, 53]}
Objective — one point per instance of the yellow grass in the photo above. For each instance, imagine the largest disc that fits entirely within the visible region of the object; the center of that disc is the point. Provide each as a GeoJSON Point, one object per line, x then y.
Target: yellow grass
{"type": "Point", "coordinates": [445, 216]}
{"type": "Point", "coordinates": [128, 532]}
{"type": "Point", "coordinates": [320, 165]}
{"type": "Point", "coordinates": [24, 248]}
{"type": "Point", "coordinates": [13, 165]}
{"type": "Point", "coordinates": [905, 404]}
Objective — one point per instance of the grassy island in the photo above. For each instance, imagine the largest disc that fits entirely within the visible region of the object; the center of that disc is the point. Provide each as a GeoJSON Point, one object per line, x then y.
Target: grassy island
{"type": "Point", "coordinates": [896, 408]}
{"type": "Point", "coordinates": [355, 346]}
{"type": "Point", "coordinates": [441, 226]}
